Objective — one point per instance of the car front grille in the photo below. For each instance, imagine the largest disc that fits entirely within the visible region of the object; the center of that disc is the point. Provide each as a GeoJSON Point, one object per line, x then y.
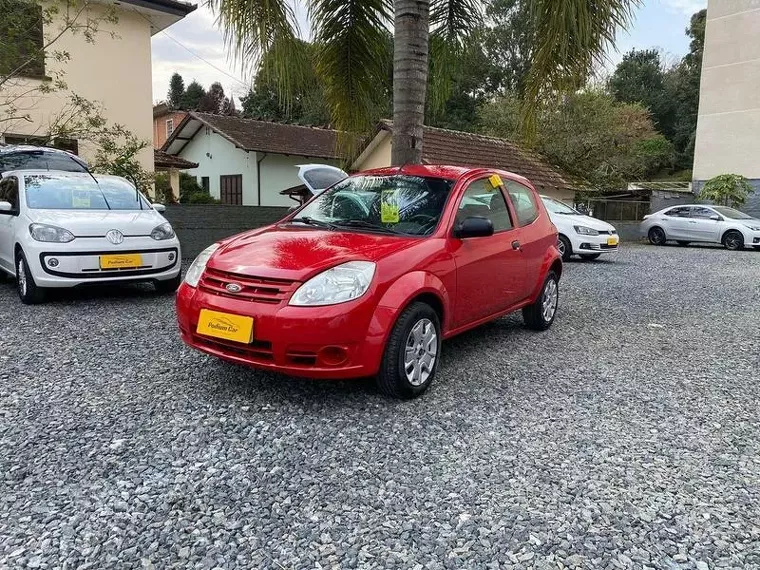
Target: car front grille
{"type": "Point", "coordinates": [256, 350]}
{"type": "Point", "coordinates": [254, 289]}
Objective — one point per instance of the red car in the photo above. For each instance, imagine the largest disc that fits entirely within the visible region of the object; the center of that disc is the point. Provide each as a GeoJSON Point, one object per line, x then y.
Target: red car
{"type": "Point", "coordinates": [371, 275]}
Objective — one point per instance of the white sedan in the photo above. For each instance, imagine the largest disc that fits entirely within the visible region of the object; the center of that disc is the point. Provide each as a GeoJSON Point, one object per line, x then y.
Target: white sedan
{"type": "Point", "coordinates": [64, 229]}
{"type": "Point", "coordinates": [580, 235]}
{"type": "Point", "coordinates": [702, 223]}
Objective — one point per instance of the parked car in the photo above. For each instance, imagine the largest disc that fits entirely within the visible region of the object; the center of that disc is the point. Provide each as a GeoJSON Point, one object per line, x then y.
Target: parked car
{"type": "Point", "coordinates": [372, 274]}
{"type": "Point", "coordinates": [579, 234]}
{"type": "Point", "coordinates": [702, 223]}
{"type": "Point", "coordinates": [65, 229]}
{"type": "Point", "coordinates": [29, 157]}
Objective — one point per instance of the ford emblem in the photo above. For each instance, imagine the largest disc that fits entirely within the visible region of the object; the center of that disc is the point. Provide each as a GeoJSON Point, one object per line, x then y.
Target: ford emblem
{"type": "Point", "coordinates": [233, 287]}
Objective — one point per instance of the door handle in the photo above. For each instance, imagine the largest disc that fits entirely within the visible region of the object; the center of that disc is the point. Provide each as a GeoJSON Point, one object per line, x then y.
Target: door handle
{"type": "Point", "coordinates": [692, 221]}
{"type": "Point", "coordinates": [516, 245]}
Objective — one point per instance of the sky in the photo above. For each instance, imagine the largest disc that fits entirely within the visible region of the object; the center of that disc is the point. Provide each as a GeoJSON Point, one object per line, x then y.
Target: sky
{"type": "Point", "coordinates": [194, 47]}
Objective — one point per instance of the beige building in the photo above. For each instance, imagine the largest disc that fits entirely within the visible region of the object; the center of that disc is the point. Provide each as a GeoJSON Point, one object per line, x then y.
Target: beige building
{"type": "Point", "coordinates": [114, 70]}
{"type": "Point", "coordinates": [728, 128]}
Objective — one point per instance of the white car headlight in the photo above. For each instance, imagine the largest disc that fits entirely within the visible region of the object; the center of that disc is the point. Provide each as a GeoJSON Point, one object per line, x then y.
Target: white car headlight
{"type": "Point", "coordinates": [44, 232]}
{"type": "Point", "coordinates": [164, 231]}
{"type": "Point", "coordinates": [754, 228]}
{"type": "Point", "coordinates": [586, 231]}
{"type": "Point", "coordinates": [198, 266]}
{"type": "Point", "coordinates": [337, 285]}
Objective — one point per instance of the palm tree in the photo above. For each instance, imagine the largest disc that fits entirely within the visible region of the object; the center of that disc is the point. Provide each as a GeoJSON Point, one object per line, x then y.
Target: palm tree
{"type": "Point", "coordinates": [571, 37]}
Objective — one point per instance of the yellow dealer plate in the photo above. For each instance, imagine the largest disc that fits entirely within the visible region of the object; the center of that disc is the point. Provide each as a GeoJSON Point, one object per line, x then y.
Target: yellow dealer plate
{"type": "Point", "coordinates": [120, 261]}
{"type": "Point", "coordinates": [223, 325]}
{"type": "Point", "coordinates": [612, 240]}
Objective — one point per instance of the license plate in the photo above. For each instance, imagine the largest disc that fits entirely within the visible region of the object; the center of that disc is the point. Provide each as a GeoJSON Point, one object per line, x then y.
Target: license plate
{"type": "Point", "coordinates": [120, 261]}
{"type": "Point", "coordinates": [612, 240]}
{"type": "Point", "coordinates": [223, 325]}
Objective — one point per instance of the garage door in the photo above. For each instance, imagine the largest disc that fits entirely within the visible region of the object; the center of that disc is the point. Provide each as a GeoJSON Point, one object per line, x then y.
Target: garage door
{"type": "Point", "coordinates": [231, 189]}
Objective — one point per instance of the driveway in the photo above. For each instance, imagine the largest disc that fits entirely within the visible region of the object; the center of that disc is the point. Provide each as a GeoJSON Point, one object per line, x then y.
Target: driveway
{"type": "Point", "coordinates": [624, 437]}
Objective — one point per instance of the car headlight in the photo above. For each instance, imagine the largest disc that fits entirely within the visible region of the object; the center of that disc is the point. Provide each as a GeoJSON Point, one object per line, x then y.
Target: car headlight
{"type": "Point", "coordinates": [164, 231]}
{"type": "Point", "coordinates": [337, 285]}
{"type": "Point", "coordinates": [586, 231]}
{"type": "Point", "coordinates": [754, 228]}
{"type": "Point", "coordinates": [198, 266]}
{"type": "Point", "coordinates": [44, 232]}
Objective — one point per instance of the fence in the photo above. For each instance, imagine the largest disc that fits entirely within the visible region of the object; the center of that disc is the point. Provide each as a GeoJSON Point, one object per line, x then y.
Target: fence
{"type": "Point", "coordinates": [615, 210]}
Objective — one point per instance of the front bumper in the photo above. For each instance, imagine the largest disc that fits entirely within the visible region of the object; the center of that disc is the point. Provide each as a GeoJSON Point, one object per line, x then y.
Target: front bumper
{"type": "Point", "coordinates": [583, 245]}
{"type": "Point", "coordinates": [78, 263]}
{"type": "Point", "coordinates": [334, 342]}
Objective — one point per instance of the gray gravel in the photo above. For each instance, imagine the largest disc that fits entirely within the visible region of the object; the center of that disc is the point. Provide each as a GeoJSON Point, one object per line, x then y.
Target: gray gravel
{"type": "Point", "coordinates": [625, 437]}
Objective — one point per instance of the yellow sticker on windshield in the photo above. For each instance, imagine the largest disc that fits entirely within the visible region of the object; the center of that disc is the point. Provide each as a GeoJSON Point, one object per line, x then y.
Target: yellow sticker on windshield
{"type": "Point", "coordinates": [389, 208]}
{"type": "Point", "coordinates": [80, 199]}
{"type": "Point", "coordinates": [495, 180]}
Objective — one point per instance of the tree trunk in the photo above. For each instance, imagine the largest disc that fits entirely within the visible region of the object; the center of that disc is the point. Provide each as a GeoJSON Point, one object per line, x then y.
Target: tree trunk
{"type": "Point", "coordinates": [410, 77]}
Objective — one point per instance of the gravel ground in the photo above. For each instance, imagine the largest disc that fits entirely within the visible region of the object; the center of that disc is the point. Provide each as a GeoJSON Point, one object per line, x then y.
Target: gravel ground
{"type": "Point", "coordinates": [624, 437]}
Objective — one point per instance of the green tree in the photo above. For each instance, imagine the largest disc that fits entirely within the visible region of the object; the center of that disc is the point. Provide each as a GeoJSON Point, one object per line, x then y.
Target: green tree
{"type": "Point", "coordinates": [727, 189]}
{"type": "Point", "coordinates": [589, 135]}
{"type": "Point", "coordinates": [213, 100]}
{"type": "Point", "coordinates": [176, 91]}
{"type": "Point", "coordinates": [118, 155]}
{"type": "Point", "coordinates": [193, 96]}
{"type": "Point", "coordinates": [570, 36]}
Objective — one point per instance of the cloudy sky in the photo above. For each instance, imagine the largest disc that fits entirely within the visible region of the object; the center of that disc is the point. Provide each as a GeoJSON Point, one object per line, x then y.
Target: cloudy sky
{"type": "Point", "coordinates": [195, 48]}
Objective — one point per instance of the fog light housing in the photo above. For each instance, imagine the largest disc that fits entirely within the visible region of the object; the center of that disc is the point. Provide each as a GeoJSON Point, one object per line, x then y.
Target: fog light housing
{"type": "Point", "coordinates": [333, 355]}
{"type": "Point", "coordinates": [52, 262]}
{"type": "Point", "coordinates": [172, 256]}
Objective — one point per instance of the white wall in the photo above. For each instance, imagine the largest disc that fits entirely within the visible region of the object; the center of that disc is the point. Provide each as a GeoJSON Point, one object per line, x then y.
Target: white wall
{"type": "Point", "coordinates": [728, 127]}
{"type": "Point", "coordinates": [278, 172]}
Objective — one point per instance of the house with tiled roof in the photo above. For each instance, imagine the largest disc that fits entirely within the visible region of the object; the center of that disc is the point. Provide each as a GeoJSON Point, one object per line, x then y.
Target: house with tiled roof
{"type": "Point", "coordinates": [443, 146]}
{"type": "Point", "coordinates": [249, 162]}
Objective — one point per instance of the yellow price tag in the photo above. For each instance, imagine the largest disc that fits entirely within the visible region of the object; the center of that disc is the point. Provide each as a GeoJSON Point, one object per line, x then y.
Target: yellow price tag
{"type": "Point", "coordinates": [389, 208]}
{"type": "Point", "coordinates": [495, 180]}
{"type": "Point", "coordinates": [80, 199]}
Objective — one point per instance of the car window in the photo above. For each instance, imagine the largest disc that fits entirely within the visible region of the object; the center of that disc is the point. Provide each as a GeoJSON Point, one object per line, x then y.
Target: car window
{"type": "Point", "coordinates": [482, 200]}
{"type": "Point", "coordinates": [524, 203]}
{"type": "Point", "coordinates": [9, 192]}
{"type": "Point", "coordinates": [61, 192]}
{"type": "Point", "coordinates": [680, 212]}
{"type": "Point", "coordinates": [39, 160]}
{"type": "Point", "coordinates": [702, 213]}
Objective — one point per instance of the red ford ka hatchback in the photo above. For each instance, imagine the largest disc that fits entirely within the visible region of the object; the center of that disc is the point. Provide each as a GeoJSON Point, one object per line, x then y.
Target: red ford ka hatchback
{"type": "Point", "coordinates": [369, 277]}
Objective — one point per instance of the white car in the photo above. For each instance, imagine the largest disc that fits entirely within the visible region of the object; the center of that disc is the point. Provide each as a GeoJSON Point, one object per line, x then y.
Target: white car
{"type": "Point", "coordinates": [580, 235]}
{"type": "Point", "coordinates": [701, 223]}
{"type": "Point", "coordinates": [64, 229]}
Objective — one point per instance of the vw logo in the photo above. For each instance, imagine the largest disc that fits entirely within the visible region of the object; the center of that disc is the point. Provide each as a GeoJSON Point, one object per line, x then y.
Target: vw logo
{"type": "Point", "coordinates": [115, 237]}
{"type": "Point", "coordinates": [233, 287]}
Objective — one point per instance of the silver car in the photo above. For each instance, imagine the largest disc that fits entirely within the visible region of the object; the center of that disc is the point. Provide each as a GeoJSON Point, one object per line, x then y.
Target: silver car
{"type": "Point", "coordinates": [702, 223]}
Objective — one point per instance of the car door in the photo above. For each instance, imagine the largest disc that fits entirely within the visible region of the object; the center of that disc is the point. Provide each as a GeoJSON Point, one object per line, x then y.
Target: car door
{"type": "Point", "coordinates": [489, 269]}
{"type": "Point", "coordinates": [676, 224]}
{"type": "Point", "coordinates": [532, 235]}
{"type": "Point", "coordinates": [8, 220]}
{"type": "Point", "coordinates": [704, 224]}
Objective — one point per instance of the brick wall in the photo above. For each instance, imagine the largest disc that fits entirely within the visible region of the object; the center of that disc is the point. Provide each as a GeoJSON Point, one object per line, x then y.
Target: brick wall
{"type": "Point", "coordinates": [198, 226]}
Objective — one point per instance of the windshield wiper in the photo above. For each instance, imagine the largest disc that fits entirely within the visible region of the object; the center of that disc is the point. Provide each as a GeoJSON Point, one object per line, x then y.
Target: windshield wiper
{"type": "Point", "coordinates": [367, 225]}
{"type": "Point", "coordinates": [312, 222]}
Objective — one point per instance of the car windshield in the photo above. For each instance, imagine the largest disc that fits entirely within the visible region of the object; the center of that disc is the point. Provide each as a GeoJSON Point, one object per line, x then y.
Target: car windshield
{"type": "Point", "coordinates": [39, 160]}
{"type": "Point", "coordinates": [401, 204]}
{"type": "Point", "coordinates": [731, 213]}
{"type": "Point", "coordinates": [557, 207]}
{"type": "Point", "coordinates": [51, 192]}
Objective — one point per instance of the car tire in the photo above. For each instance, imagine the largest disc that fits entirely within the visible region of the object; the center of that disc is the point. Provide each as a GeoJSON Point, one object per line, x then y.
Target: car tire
{"type": "Point", "coordinates": [169, 285]}
{"type": "Point", "coordinates": [657, 236]}
{"type": "Point", "coordinates": [733, 240]}
{"type": "Point", "coordinates": [27, 289]}
{"type": "Point", "coordinates": [417, 325]}
{"type": "Point", "coordinates": [683, 243]}
{"type": "Point", "coordinates": [540, 315]}
{"type": "Point", "coordinates": [591, 257]}
{"type": "Point", "coordinates": [565, 247]}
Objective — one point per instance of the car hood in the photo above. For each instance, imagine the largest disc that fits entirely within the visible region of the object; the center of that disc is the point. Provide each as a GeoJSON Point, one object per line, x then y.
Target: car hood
{"type": "Point", "coordinates": [84, 223]}
{"type": "Point", "coordinates": [294, 253]}
{"type": "Point", "coordinates": [562, 220]}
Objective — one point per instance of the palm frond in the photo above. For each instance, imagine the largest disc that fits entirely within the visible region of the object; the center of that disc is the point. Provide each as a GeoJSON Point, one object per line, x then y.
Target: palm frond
{"type": "Point", "coordinates": [571, 36]}
{"type": "Point", "coordinates": [352, 57]}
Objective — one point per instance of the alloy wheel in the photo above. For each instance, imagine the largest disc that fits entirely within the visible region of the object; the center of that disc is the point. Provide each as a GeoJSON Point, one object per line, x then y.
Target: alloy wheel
{"type": "Point", "coordinates": [549, 300]}
{"type": "Point", "coordinates": [561, 247]}
{"type": "Point", "coordinates": [420, 352]}
{"type": "Point", "coordinates": [733, 241]}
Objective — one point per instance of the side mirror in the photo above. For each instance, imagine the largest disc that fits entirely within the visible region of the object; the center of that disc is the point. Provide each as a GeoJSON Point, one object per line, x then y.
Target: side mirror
{"type": "Point", "coordinates": [6, 207]}
{"type": "Point", "coordinates": [716, 217]}
{"type": "Point", "coordinates": [474, 227]}
{"type": "Point", "coordinates": [159, 207]}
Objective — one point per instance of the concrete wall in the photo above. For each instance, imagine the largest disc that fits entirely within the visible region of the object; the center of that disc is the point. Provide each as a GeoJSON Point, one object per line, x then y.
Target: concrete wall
{"type": "Point", "coordinates": [729, 105]}
{"type": "Point", "coordinates": [378, 157]}
{"type": "Point", "coordinates": [115, 71]}
{"type": "Point", "coordinates": [198, 226]}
